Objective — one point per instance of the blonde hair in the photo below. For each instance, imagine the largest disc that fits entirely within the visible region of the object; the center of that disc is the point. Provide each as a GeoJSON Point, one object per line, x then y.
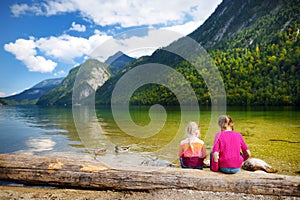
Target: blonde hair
{"type": "Point", "coordinates": [192, 129]}
{"type": "Point", "coordinates": [225, 121]}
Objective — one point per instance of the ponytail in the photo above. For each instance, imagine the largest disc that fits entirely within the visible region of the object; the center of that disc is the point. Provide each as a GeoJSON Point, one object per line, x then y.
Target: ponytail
{"type": "Point", "coordinates": [225, 121]}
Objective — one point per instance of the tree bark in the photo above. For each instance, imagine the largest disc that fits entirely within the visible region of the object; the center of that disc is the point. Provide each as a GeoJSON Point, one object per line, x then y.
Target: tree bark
{"type": "Point", "coordinates": [69, 173]}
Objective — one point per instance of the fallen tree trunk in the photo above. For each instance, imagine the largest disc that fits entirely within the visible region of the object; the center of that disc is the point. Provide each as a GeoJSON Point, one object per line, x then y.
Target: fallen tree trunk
{"type": "Point", "coordinates": [64, 172]}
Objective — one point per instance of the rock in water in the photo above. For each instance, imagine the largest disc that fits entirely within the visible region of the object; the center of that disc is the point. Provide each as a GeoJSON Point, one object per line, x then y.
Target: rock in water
{"type": "Point", "coordinates": [156, 162]}
{"type": "Point", "coordinates": [254, 164]}
{"type": "Point", "coordinates": [121, 149]}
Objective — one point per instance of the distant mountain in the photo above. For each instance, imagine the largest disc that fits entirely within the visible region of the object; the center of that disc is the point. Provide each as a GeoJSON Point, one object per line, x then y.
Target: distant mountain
{"type": "Point", "coordinates": [255, 45]}
{"type": "Point", "coordinates": [49, 83]}
{"type": "Point", "coordinates": [118, 61]}
{"type": "Point", "coordinates": [84, 76]}
{"type": "Point", "coordinates": [30, 96]}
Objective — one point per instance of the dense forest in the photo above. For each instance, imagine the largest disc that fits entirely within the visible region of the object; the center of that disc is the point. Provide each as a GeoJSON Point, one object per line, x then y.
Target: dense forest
{"type": "Point", "coordinates": [259, 64]}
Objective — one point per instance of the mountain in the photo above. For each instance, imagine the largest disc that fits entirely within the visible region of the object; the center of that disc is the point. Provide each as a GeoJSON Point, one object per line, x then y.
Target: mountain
{"type": "Point", "coordinates": [255, 45]}
{"type": "Point", "coordinates": [85, 79]}
{"type": "Point", "coordinates": [118, 61]}
{"type": "Point", "coordinates": [31, 95]}
{"type": "Point", "coordinates": [49, 83]}
{"type": "Point", "coordinates": [232, 17]}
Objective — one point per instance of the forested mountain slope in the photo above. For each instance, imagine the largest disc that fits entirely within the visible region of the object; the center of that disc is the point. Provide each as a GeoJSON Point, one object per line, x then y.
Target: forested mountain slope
{"type": "Point", "coordinates": [256, 47]}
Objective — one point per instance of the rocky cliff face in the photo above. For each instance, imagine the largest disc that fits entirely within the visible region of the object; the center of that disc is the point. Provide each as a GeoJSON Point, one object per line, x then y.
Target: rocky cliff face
{"type": "Point", "coordinates": [84, 79]}
{"type": "Point", "coordinates": [232, 16]}
{"type": "Point", "coordinates": [91, 75]}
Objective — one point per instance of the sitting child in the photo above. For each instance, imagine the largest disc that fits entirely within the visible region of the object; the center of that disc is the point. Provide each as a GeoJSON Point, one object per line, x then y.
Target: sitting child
{"type": "Point", "coordinates": [229, 150]}
{"type": "Point", "coordinates": [192, 150]}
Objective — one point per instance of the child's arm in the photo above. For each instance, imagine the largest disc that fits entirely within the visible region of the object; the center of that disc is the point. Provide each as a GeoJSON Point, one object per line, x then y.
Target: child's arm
{"type": "Point", "coordinates": [215, 156]}
{"type": "Point", "coordinates": [246, 154]}
{"type": "Point", "coordinates": [215, 161]}
{"type": "Point", "coordinates": [203, 151]}
{"type": "Point", "coordinates": [180, 152]}
{"type": "Point", "coordinates": [245, 149]}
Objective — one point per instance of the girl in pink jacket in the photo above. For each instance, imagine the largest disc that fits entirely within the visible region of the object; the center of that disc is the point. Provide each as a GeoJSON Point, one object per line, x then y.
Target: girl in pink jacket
{"type": "Point", "coordinates": [229, 150]}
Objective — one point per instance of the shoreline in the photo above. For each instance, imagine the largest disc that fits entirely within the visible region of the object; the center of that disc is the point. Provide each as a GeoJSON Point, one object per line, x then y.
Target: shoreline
{"type": "Point", "coordinates": [73, 179]}
{"type": "Point", "coordinates": [18, 192]}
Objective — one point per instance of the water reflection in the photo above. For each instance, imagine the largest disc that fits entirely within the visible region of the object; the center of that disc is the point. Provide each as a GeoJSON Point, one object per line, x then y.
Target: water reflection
{"type": "Point", "coordinates": [101, 132]}
{"type": "Point", "coordinates": [273, 136]}
{"type": "Point", "coordinates": [37, 145]}
{"type": "Point", "coordinates": [37, 130]}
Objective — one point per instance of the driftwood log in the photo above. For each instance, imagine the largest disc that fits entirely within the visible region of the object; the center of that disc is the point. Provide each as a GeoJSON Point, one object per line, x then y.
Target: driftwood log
{"type": "Point", "coordinates": [69, 173]}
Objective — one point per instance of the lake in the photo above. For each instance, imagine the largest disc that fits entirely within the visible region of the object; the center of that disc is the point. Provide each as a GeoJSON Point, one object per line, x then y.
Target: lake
{"type": "Point", "coordinates": [272, 134]}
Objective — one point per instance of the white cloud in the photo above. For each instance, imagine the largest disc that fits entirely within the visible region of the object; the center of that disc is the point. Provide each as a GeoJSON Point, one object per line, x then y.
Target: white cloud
{"type": "Point", "coordinates": [22, 9]}
{"type": "Point", "coordinates": [40, 64]}
{"type": "Point", "coordinates": [21, 48]}
{"type": "Point", "coordinates": [135, 45]}
{"type": "Point", "coordinates": [142, 41]}
{"type": "Point", "coordinates": [41, 54]}
{"type": "Point", "coordinates": [59, 73]}
{"type": "Point", "coordinates": [2, 94]}
{"type": "Point", "coordinates": [127, 13]}
{"type": "Point", "coordinates": [64, 48]}
{"type": "Point", "coordinates": [78, 27]}
{"type": "Point", "coordinates": [25, 51]}
{"type": "Point", "coordinates": [184, 29]}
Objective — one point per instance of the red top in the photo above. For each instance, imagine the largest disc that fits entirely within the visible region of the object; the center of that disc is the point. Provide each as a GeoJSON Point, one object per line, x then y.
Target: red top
{"type": "Point", "coordinates": [231, 148]}
{"type": "Point", "coordinates": [192, 151]}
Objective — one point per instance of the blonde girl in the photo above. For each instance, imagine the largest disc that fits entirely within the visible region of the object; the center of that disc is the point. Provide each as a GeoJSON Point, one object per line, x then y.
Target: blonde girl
{"type": "Point", "coordinates": [192, 151]}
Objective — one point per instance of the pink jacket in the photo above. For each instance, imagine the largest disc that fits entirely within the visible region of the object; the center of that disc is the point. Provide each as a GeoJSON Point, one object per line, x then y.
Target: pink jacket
{"type": "Point", "coordinates": [231, 148]}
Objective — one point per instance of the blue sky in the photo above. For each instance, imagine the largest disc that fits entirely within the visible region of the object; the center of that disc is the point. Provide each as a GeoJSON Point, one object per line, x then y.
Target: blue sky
{"type": "Point", "coordinates": [45, 39]}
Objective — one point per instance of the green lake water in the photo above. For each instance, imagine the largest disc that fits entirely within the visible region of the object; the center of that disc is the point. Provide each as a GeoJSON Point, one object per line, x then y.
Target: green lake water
{"type": "Point", "coordinates": [272, 134]}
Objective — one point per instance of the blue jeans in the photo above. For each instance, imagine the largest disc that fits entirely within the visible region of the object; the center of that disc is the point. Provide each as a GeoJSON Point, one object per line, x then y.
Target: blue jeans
{"type": "Point", "coordinates": [225, 170]}
{"type": "Point", "coordinates": [229, 170]}
{"type": "Point", "coordinates": [183, 166]}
